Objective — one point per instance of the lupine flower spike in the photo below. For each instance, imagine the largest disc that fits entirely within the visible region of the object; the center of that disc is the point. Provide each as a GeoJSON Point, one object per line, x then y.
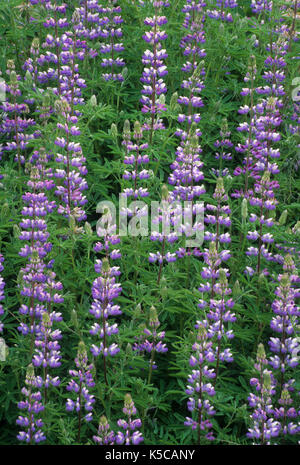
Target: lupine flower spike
{"type": "Point", "coordinates": [80, 384]}
{"type": "Point", "coordinates": [130, 434]}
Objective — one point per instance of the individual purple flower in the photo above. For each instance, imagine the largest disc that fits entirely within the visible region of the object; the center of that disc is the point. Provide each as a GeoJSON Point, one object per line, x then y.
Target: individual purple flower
{"type": "Point", "coordinates": [129, 434]}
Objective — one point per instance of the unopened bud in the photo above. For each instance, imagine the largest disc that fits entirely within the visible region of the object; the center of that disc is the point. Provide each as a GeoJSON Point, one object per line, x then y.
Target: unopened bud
{"type": "Point", "coordinates": [93, 100]}
{"type": "Point", "coordinates": [283, 217]}
{"type": "Point", "coordinates": [244, 209]}
{"type": "Point", "coordinates": [126, 129]}
{"type": "Point", "coordinates": [10, 64]}
{"type": "Point", "coordinates": [114, 130]}
{"type": "Point", "coordinates": [76, 17]}
{"type": "Point", "coordinates": [296, 229]}
{"type": "Point", "coordinates": [236, 290]}
{"type": "Point", "coordinates": [105, 265]}
{"type": "Point", "coordinates": [202, 333]}
{"type": "Point", "coordinates": [88, 229]}
{"type": "Point", "coordinates": [137, 311]}
{"type": "Point", "coordinates": [223, 277]}
{"type": "Point", "coordinates": [128, 400]}
{"type": "Point", "coordinates": [261, 354]}
{"type": "Point", "coordinates": [82, 353]}
{"type": "Point", "coordinates": [124, 72]}
{"type": "Point", "coordinates": [3, 350]}
{"type": "Point", "coordinates": [153, 318]}
{"type": "Point", "coordinates": [46, 320]}
{"type": "Point", "coordinates": [103, 422]}
{"type": "Point", "coordinates": [128, 350]}
{"type": "Point", "coordinates": [267, 380]}
{"type": "Point", "coordinates": [16, 231]}
{"type": "Point", "coordinates": [30, 373]}
{"type": "Point", "coordinates": [285, 280]}
{"type": "Point", "coordinates": [137, 130]}
{"type": "Point", "coordinates": [164, 192]}
{"type": "Point", "coordinates": [35, 43]}
{"type": "Point", "coordinates": [28, 76]}
{"type": "Point", "coordinates": [173, 102]}
{"type": "Point", "coordinates": [74, 319]}
{"type": "Point", "coordinates": [288, 264]}
{"type": "Point", "coordinates": [13, 77]}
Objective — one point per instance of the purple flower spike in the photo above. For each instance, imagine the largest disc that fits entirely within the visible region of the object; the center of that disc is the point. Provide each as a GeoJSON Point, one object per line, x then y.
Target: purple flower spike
{"type": "Point", "coordinates": [80, 384]}
{"type": "Point", "coordinates": [130, 434]}
{"type": "Point", "coordinates": [199, 386]}
{"type": "Point", "coordinates": [32, 405]}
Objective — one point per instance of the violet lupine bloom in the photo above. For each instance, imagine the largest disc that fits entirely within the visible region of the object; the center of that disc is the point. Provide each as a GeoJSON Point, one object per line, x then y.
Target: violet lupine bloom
{"type": "Point", "coordinates": [151, 341]}
{"type": "Point", "coordinates": [80, 384]}
{"type": "Point", "coordinates": [109, 21]}
{"type": "Point", "coordinates": [193, 51]}
{"type": "Point", "coordinates": [220, 11]}
{"type": "Point", "coordinates": [57, 21]}
{"type": "Point", "coordinates": [286, 346]}
{"type": "Point", "coordinates": [152, 78]}
{"type": "Point", "coordinates": [32, 425]}
{"type": "Point", "coordinates": [38, 284]}
{"type": "Point", "coordinates": [104, 290]}
{"type": "Point", "coordinates": [2, 297]}
{"type": "Point", "coordinates": [31, 64]}
{"type": "Point", "coordinates": [16, 124]}
{"type": "Point", "coordinates": [186, 169]}
{"type": "Point", "coordinates": [47, 351]}
{"type": "Point", "coordinates": [135, 174]}
{"type": "Point", "coordinates": [131, 435]}
{"type": "Point", "coordinates": [165, 219]}
{"type": "Point", "coordinates": [261, 5]}
{"type": "Point", "coordinates": [61, 62]}
{"type": "Point", "coordinates": [88, 28]}
{"type": "Point", "coordinates": [224, 147]}
{"type": "Point", "coordinates": [70, 178]}
{"type": "Point", "coordinates": [249, 143]}
{"type": "Point", "coordinates": [263, 198]}
{"type": "Point", "coordinates": [265, 119]}
{"type": "Point", "coordinates": [105, 436]}
{"type": "Point", "coordinates": [186, 177]}
{"type": "Point", "coordinates": [264, 427]}
{"type": "Point", "coordinates": [219, 316]}
{"type": "Point", "coordinates": [199, 386]}
{"type": "Point", "coordinates": [287, 415]}
{"type": "Point", "coordinates": [219, 217]}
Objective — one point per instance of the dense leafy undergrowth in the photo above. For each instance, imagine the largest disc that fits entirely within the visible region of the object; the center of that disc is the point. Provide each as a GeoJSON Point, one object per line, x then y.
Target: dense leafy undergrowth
{"type": "Point", "coordinates": [116, 338]}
